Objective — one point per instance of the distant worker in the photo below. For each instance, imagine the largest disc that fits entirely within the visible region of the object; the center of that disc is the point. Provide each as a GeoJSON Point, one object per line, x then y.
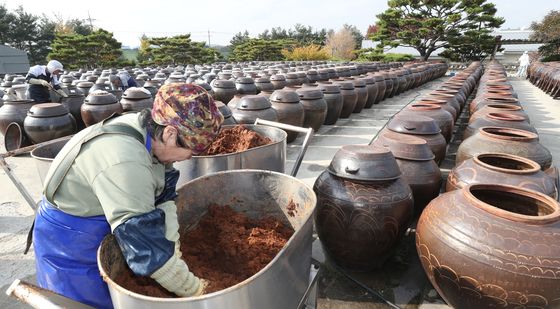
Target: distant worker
{"type": "Point", "coordinates": [122, 80]}
{"type": "Point", "coordinates": [523, 64]}
{"type": "Point", "coordinates": [42, 78]}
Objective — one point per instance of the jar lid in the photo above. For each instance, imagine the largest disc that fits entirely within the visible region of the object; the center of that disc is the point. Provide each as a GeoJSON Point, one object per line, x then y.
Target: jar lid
{"type": "Point", "coordinates": [100, 97]}
{"type": "Point", "coordinates": [284, 96]}
{"type": "Point", "coordinates": [291, 76]}
{"type": "Point", "coordinates": [262, 80]}
{"type": "Point", "coordinates": [244, 80]}
{"type": "Point", "coordinates": [413, 124]}
{"type": "Point", "coordinates": [278, 77]}
{"type": "Point", "coordinates": [309, 94]}
{"type": "Point", "coordinates": [44, 110]}
{"type": "Point", "coordinates": [326, 88]}
{"type": "Point", "coordinates": [364, 162]}
{"type": "Point", "coordinates": [345, 85]}
{"type": "Point", "coordinates": [223, 83]}
{"type": "Point", "coordinates": [137, 93]}
{"type": "Point", "coordinates": [406, 147]}
{"type": "Point", "coordinates": [84, 84]}
{"type": "Point", "coordinates": [253, 102]}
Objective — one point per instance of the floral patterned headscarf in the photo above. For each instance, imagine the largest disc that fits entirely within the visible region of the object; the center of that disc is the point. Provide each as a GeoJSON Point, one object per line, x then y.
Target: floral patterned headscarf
{"type": "Point", "coordinates": [190, 109]}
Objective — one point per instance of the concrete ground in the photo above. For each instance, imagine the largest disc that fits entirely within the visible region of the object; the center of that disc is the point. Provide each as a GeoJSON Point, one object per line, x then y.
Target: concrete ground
{"type": "Point", "coordinates": [401, 281]}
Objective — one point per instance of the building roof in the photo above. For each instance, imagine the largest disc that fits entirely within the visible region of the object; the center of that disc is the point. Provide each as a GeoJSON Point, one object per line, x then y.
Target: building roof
{"type": "Point", "coordinates": [513, 34]}
{"type": "Point", "coordinates": [13, 60]}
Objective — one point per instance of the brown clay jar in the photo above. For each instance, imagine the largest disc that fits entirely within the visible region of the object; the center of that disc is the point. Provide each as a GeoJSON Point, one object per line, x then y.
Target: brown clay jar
{"type": "Point", "coordinates": [14, 111]}
{"type": "Point", "coordinates": [479, 102]}
{"type": "Point", "coordinates": [315, 107]}
{"type": "Point", "coordinates": [74, 103]}
{"type": "Point", "coordinates": [245, 85]}
{"type": "Point", "coordinates": [362, 92]}
{"type": "Point", "coordinates": [450, 99]}
{"type": "Point", "coordinates": [289, 110]}
{"type": "Point", "coordinates": [99, 105]}
{"type": "Point", "coordinates": [503, 120]}
{"type": "Point", "coordinates": [501, 168]}
{"type": "Point", "coordinates": [363, 207]}
{"type": "Point", "coordinates": [372, 90]}
{"type": "Point", "coordinates": [251, 107]}
{"type": "Point", "coordinates": [389, 85]}
{"type": "Point", "coordinates": [500, 108]}
{"type": "Point", "coordinates": [380, 83]}
{"type": "Point", "coordinates": [278, 81]}
{"type": "Point", "coordinates": [226, 112]}
{"type": "Point", "coordinates": [224, 90]}
{"type": "Point", "coordinates": [417, 165]}
{"type": "Point", "coordinates": [441, 103]}
{"type": "Point", "coordinates": [442, 117]}
{"type": "Point", "coordinates": [333, 96]}
{"type": "Point", "coordinates": [136, 99]}
{"type": "Point", "coordinates": [47, 121]}
{"type": "Point", "coordinates": [490, 246]}
{"type": "Point", "coordinates": [349, 97]}
{"type": "Point", "coordinates": [419, 126]}
{"type": "Point", "coordinates": [505, 140]}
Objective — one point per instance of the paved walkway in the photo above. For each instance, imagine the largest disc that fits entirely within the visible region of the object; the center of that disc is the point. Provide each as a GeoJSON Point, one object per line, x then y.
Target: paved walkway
{"type": "Point", "coordinates": [402, 281]}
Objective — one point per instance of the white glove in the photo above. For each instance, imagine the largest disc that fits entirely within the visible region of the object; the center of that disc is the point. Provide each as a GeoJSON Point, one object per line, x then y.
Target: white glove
{"type": "Point", "coordinates": [42, 82]}
{"type": "Point", "coordinates": [61, 93]}
{"type": "Point", "coordinates": [175, 277]}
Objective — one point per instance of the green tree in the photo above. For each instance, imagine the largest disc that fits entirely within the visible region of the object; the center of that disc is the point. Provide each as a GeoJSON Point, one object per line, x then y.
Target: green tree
{"type": "Point", "coordinates": [428, 25]}
{"type": "Point", "coordinates": [303, 35]}
{"type": "Point", "coordinates": [548, 31]}
{"type": "Point", "coordinates": [98, 49]}
{"type": "Point", "coordinates": [260, 50]}
{"type": "Point", "coordinates": [239, 38]}
{"type": "Point", "coordinates": [176, 50]}
{"type": "Point", "coordinates": [77, 26]}
{"type": "Point", "coordinates": [473, 45]}
{"type": "Point", "coordinates": [6, 20]}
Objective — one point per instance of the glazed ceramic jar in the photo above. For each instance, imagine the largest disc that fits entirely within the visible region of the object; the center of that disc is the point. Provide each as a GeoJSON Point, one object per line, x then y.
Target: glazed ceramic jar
{"type": "Point", "coordinates": [278, 81]}
{"type": "Point", "coordinates": [289, 109]}
{"type": "Point", "coordinates": [99, 105]}
{"type": "Point", "coordinates": [498, 119]}
{"type": "Point", "coordinates": [251, 107]}
{"type": "Point", "coordinates": [226, 112]}
{"type": "Point", "coordinates": [417, 165]}
{"type": "Point", "coordinates": [264, 84]}
{"type": "Point", "coordinates": [349, 97]}
{"type": "Point", "coordinates": [420, 126]}
{"type": "Point", "coordinates": [505, 140]}
{"type": "Point", "coordinates": [363, 207]}
{"type": "Point", "coordinates": [84, 86]}
{"type": "Point", "coordinates": [490, 246]}
{"type": "Point", "coordinates": [245, 85]}
{"type": "Point", "coordinates": [74, 103]}
{"type": "Point", "coordinates": [380, 82]}
{"type": "Point", "coordinates": [501, 168]}
{"type": "Point", "coordinates": [136, 99]}
{"type": "Point", "coordinates": [333, 97]}
{"type": "Point", "coordinates": [362, 92]}
{"type": "Point", "coordinates": [315, 107]}
{"type": "Point", "coordinates": [224, 90]}
{"type": "Point", "coordinates": [442, 117]}
{"type": "Point", "coordinates": [48, 121]}
{"type": "Point", "coordinates": [372, 90]}
{"type": "Point", "coordinates": [481, 101]}
{"type": "Point", "coordinates": [14, 111]}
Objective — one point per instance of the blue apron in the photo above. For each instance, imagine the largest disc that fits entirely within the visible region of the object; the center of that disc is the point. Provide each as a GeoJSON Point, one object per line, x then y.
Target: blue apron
{"type": "Point", "coordinates": [66, 251]}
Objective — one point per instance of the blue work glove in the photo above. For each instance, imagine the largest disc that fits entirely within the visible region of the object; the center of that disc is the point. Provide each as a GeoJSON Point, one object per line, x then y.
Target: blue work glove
{"type": "Point", "coordinates": [169, 191]}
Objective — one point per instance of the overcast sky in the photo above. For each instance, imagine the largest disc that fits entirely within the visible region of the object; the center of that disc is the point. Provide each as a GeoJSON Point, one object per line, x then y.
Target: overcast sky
{"type": "Point", "coordinates": [128, 20]}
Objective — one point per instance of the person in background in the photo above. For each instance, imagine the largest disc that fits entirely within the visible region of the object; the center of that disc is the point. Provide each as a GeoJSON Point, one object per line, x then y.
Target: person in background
{"type": "Point", "coordinates": [117, 177]}
{"type": "Point", "coordinates": [122, 80]}
{"type": "Point", "coordinates": [524, 62]}
{"type": "Point", "coordinates": [43, 78]}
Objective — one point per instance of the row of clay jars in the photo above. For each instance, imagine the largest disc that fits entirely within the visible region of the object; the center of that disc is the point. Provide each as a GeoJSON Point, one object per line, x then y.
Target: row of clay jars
{"type": "Point", "coordinates": [362, 203]}
{"type": "Point", "coordinates": [492, 245]}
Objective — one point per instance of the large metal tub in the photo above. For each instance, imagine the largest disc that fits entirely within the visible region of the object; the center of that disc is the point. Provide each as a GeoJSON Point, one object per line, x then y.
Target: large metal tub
{"type": "Point", "coordinates": [281, 284]}
{"type": "Point", "coordinates": [44, 155]}
{"type": "Point", "coordinates": [270, 157]}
